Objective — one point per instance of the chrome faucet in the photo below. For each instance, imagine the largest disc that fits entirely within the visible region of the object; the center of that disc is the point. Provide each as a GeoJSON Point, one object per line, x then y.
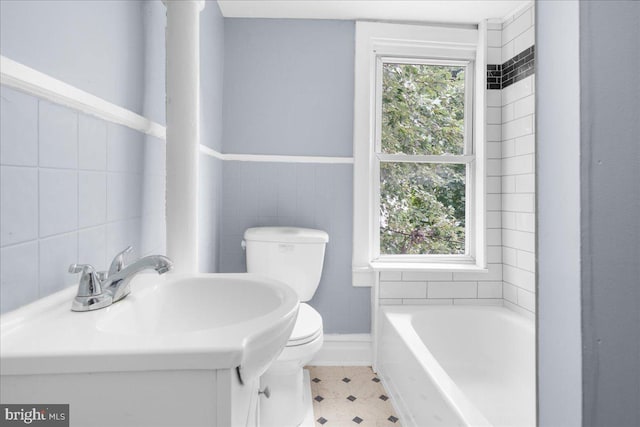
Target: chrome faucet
{"type": "Point", "coordinates": [101, 289]}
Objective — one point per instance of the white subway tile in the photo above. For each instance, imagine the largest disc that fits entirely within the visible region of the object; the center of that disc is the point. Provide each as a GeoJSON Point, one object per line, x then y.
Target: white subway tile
{"type": "Point", "coordinates": [494, 254]}
{"type": "Point", "coordinates": [517, 90]}
{"type": "Point", "coordinates": [525, 222]}
{"type": "Point", "coordinates": [517, 27]}
{"type": "Point", "coordinates": [494, 273]}
{"type": "Point", "coordinates": [56, 254]}
{"type": "Point", "coordinates": [526, 261]}
{"type": "Point", "coordinates": [494, 55]}
{"type": "Point", "coordinates": [18, 128]}
{"type": "Point", "coordinates": [493, 202]}
{"type": "Point", "coordinates": [494, 236]}
{"type": "Point", "coordinates": [509, 256]}
{"type": "Point", "coordinates": [494, 149]}
{"type": "Point", "coordinates": [494, 38]}
{"type": "Point", "coordinates": [518, 240]}
{"type": "Point", "coordinates": [494, 220]}
{"type": "Point", "coordinates": [495, 25]}
{"type": "Point", "coordinates": [494, 133]}
{"type": "Point", "coordinates": [425, 301]}
{"type": "Point", "coordinates": [510, 293]}
{"type": "Point", "coordinates": [494, 185]}
{"type": "Point", "coordinates": [18, 204]}
{"type": "Point", "coordinates": [386, 276]}
{"type": "Point", "coordinates": [524, 106]}
{"type": "Point", "coordinates": [507, 51]}
{"type": "Point", "coordinates": [92, 143]}
{"type": "Point", "coordinates": [521, 311]}
{"type": "Point", "coordinates": [452, 290]}
{"type": "Point", "coordinates": [508, 148]}
{"type": "Point", "coordinates": [508, 113]}
{"type": "Point", "coordinates": [525, 183]}
{"type": "Point", "coordinates": [508, 220]}
{"type": "Point", "coordinates": [58, 201]}
{"type": "Point", "coordinates": [524, 40]}
{"type": "Point", "coordinates": [527, 300]}
{"type": "Point", "coordinates": [518, 165]}
{"type": "Point", "coordinates": [526, 144]}
{"type": "Point", "coordinates": [18, 275]}
{"type": "Point", "coordinates": [390, 301]}
{"type": "Point", "coordinates": [520, 278]}
{"type": "Point", "coordinates": [403, 289]}
{"type": "Point", "coordinates": [471, 301]}
{"type": "Point", "coordinates": [518, 127]}
{"type": "Point", "coordinates": [494, 115]}
{"type": "Point", "coordinates": [494, 167]}
{"type": "Point", "coordinates": [518, 202]}
{"type": "Point", "coordinates": [508, 184]}
{"type": "Point", "coordinates": [58, 136]}
{"type": "Point", "coordinates": [489, 289]}
{"type": "Point", "coordinates": [417, 276]}
{"type": "Point", "coordinates": [494, 98]}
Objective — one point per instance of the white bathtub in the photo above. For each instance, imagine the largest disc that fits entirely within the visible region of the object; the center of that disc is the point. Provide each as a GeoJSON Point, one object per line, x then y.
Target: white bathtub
{"type": "Point", "coordinates": [458, 365]}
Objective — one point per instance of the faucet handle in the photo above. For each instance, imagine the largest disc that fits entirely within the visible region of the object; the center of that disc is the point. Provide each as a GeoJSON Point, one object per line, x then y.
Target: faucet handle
{"type": "Point", "coordinates": [89, 283]}
{"type": "Point", "coordinates": [118, 261]}
{"type": "Point", "coordinates": [90, 295]}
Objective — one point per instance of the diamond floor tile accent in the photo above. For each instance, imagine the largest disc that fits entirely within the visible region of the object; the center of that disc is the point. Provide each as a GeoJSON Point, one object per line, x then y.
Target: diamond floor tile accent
{"type": "Point", "coordinates": [350, 395]}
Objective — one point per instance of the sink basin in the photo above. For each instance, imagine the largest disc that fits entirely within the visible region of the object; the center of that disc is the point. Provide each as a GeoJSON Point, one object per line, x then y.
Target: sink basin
{"type": "Point", "coordinates": [189, 305]}
{"type": "Point", "coordinates": [205, 321]}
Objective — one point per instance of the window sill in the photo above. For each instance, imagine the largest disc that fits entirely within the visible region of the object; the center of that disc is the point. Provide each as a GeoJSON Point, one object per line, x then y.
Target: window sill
{"type": "Point", "coordinates": [424, 266]}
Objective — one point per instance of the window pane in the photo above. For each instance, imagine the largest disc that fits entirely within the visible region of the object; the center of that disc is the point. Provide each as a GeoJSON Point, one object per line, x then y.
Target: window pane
{"type": "Point", "coordinates": [422, 208]}
{"type": "Point", "coordinates": [422, 109]}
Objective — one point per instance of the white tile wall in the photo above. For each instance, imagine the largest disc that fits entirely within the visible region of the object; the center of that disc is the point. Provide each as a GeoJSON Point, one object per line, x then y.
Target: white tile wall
{"type": "Point", "coordinates": [518, 167]}
{"type": "Point", "coordinates": [510, 199]}
{"type": "Point", "coordinates": [57, 206]}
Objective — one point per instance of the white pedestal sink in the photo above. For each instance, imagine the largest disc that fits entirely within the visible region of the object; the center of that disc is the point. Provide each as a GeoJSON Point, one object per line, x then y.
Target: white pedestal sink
{"type": "Point", "coordinates": [179, 350]}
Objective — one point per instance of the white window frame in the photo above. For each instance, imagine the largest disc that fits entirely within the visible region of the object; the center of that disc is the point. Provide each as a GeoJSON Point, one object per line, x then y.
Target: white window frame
{"type": "Point", "coordinates": [382, 42]}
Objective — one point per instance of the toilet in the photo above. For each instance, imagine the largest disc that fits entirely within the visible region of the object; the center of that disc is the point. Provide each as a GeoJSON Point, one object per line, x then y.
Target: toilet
{"type": "Point", "coordinates": [294, 256]}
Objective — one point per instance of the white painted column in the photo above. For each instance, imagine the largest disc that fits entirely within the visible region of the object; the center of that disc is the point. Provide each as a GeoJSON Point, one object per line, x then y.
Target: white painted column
{"type": "Point", "coordinates": [183, 131]}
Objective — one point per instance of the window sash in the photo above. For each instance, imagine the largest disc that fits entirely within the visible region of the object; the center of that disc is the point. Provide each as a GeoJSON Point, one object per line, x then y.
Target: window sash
{"type": "Point", "coordinates": [468, 158]}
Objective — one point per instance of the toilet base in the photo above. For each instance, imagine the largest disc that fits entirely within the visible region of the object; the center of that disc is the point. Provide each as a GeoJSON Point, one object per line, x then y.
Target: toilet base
{"type": "Point", "coordinates": [290, 403]}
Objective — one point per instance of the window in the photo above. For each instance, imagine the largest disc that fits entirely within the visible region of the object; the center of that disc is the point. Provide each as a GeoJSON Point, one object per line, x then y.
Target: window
{"type": "Point", "coordinates": [424, 155]}
{"type": "Point", "coordinates": [418, 155]}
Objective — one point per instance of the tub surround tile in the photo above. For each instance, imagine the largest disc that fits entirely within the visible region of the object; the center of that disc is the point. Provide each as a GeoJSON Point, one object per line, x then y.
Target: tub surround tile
{"type": "Point", "coordinates": [350, 395]}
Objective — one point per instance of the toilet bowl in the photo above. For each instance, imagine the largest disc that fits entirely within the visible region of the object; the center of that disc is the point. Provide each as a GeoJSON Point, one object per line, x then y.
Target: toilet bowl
{"type": "Point", "coordinates": [295, 256]}
{"type": "Point", "coordinates": [284, 378]}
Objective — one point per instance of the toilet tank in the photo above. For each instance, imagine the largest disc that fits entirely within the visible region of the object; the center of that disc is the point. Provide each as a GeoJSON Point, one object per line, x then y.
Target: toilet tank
{"type": "Point", "coordinates": [292, 255]}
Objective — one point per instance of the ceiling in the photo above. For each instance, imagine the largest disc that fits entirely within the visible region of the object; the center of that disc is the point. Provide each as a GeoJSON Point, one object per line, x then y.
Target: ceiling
{"type": "Point", "coordinates": [435, 11]}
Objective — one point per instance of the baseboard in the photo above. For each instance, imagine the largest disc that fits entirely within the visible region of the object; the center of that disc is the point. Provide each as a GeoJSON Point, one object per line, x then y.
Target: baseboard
{"type": "Point", "coordinates": [345, 350]}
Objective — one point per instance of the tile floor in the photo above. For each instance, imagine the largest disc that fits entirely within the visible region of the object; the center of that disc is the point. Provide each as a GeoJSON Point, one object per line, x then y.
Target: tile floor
{"type": "Point", "coordinates": [350, 396]}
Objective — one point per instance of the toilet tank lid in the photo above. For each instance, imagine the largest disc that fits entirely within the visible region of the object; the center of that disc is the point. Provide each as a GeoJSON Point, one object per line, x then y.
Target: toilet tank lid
{"type": "Point", "coordinates": [285, 235]}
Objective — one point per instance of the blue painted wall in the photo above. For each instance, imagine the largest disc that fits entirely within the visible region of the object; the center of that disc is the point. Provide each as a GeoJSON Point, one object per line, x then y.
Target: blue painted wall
{"type": "Point", "coordinates": [97, 46]}
{"type": "Point", "coordinates": [75, 188]}
{"type": "Point", "coordinates": [289, 90]}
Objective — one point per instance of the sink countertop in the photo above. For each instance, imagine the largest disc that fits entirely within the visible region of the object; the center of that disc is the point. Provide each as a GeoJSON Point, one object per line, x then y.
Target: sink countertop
{"type": "Point", "coordinates": [46, 337]}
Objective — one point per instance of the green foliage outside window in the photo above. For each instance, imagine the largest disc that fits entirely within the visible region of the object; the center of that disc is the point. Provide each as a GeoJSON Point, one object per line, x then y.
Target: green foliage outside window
{"type": "Point", "coordinates": [422, 205]}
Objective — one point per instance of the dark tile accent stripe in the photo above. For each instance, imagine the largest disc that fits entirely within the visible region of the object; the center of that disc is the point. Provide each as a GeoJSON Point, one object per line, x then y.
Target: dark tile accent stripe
{"type": "Point", "coordinates": [500, 76]}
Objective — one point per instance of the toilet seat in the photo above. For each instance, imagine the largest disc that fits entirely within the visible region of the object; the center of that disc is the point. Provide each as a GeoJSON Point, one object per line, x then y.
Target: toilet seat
{"type": "Point", "coordinates": [308, 326]}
